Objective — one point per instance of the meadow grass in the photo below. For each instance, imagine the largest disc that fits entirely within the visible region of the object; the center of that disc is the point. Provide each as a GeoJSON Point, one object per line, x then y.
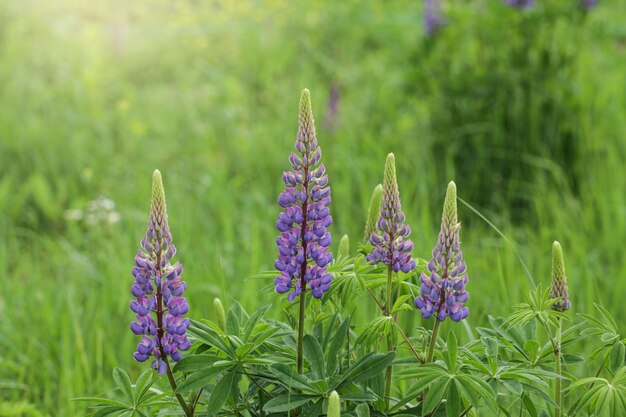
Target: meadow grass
{"type": "Point", "coordinates": [96, 96]}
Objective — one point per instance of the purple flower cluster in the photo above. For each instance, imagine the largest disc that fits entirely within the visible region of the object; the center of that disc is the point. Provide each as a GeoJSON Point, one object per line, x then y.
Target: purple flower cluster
{"type": "Point", "coordinates": [443, 293]}
{"type": "Point", "coordinates": [522, 4]}
{"type": "Point", "coordinates": [158, 289]}
{"type": "Point", "coordinates": [391, 245]}
{"type": "Point", "coordinates": [304, 221]}
{"type": "Point", "coordinates": [589, 4]}
{"type": "Point", "coordinates": [433, 19]}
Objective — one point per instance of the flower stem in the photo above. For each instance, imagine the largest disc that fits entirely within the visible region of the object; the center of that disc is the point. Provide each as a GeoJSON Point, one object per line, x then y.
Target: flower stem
{"type": "Point", "coordinates": [388, 306]}
{"type": "Point", "coordinates": [188, 411]}
{"type": "Point", "coordinates": [301, 325]}
{"type": "Point", "coordinates": [557, 360]}
{"type": "Point", "coordinates": [433, 341]}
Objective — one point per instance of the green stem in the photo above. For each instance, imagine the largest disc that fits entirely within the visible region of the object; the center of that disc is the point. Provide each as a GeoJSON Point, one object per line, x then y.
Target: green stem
{"type": "Point", "coordinates": [301, 325]}
{"type": "Point", "coordinates": [433, 341]}
{"type": "Point", "coordinates": [557, 359]}
{"type": "Point", "coordinates": [388, 306]}
{"type": "Point", "coordinates": [181, 400]}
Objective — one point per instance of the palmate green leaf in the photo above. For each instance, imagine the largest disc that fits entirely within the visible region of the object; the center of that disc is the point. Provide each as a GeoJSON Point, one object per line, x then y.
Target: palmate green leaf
{"type": "Point", "coordinates": [203, 377]}
{"type": "Point", "coordinates": [289, 378]}
{"type": "Point", "coordinates": [220, 393]}
{"type": "Point", "coordinates": [616, 358]}
{"type": "Point", "coordinates": [313, 353]}
{"type": "Point", "coordinates": [529, 405]}
{"type": "Point", "coordinates": [334, 353]}
{"type": "Point", "coordinates": [100, 401]}
{"type": "Point", "coordinates": [107, 411]}
{"type": "Point", "coordinates": [122, 380]}
{"type": "Point", "coordinates": [195, 362]}
{"type": "Point", "coordinates": [286, 402]}
{"type": "Point", "coordinates": [232, 323]}
{"type": "Point", "coordinates": [454, 404]}
{"type": "Point", "coordinates": [211, 335]}
{"type": "Point", "coordinates": [254, 319]}
{"type": "Point", "coordinates": [417, 388]}
{"type": "Point", "coordinates": [435, 395]}
{"type": "Point", "coordinates": [366, 367]}
{"type": "Point", "coordinates": [452, 352]}
{"type": "Point", "coordinates": [476, 391]}
{"type": "Point", "coordinates": [362, 410]}
{"type": "Point", "coordinates": [604, 396]}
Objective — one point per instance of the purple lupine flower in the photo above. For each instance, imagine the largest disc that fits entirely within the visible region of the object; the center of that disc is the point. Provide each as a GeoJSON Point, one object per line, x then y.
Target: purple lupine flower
{"type": "Point", "coordinates": [433, 19]}
{"type": "Point", "coordinates": [521, 4]}
{"type": "Point", "coordinates": [390, 243]}
{"type": "Point", "coordinates": [158, 289]}
{"type": "Point", "coordinates": [304, 240]}
{"type": "Point", "coordinates": [588, 4]}
{"type": "Point", "coordinates": [443, 293]}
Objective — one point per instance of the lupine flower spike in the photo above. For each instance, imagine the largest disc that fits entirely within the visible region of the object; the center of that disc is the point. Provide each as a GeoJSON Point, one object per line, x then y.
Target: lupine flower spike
{"type": "Point", "coordinates": [304, 240]}
{"type": "Point", "coordinates": [559, 280]}
{"type": "Point", "coordinates": [334, 405]}
{"type": "Point", "coordinates": [390, 242]}
{"type": "Point", "coordinates": [521, 4]}
{"type": "Point", "coordinates": [158, 289]}
{"type": "Point", "coordinates": [443, 293]}
{"type": "Point", "coordinates": [433, 19]}
{"type": "Point", "coordinates": [588, 4]}
{"type": "Point", "coordinates": [373, 212]}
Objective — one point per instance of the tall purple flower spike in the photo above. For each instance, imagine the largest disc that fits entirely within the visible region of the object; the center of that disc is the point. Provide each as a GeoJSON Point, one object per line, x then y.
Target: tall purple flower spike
{"type": "Point", "coordinates": [433, 20]}
{"type": "Point", "coordinates": [443, 294]}
{"type": "Point", "coordinates": [522, 4]}
{"type": "Point", "coordinates": [158, 289]}
{"type": "Point", "coordinates": [391, 243]}
{"type": "Point", "coordinates": [589, 4]}
{"type": "Point", "coordinates": [304, 240]}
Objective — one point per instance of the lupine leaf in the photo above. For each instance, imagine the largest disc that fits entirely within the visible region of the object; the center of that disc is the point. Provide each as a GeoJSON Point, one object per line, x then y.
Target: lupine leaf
{"type": "Point", "coordinates": [452, 351]}
{"type": "Point", "coordinates": [434, 395]}
{"type": "Point", "coordinates": [220, 393]}
{"type": "Point", "coordinates": [202, 377]}
{"type": "Point", "coordinates": [290, 378]}
{"type": "Point", "coordinates": [367, 367]}
{"type": "Point", "coordinates": [362, 410]}
{"type": "Point", "coordinates": [286, 402]}
{"type": "Point", "coordinates": [616, 359]}
{"type": "Point", "coordinates": [195, 362]}
{"type": "Point", "coordinates": [313, 353]}
{"type": "Point", "coordinates": [454, 403]}
{"type": "Point", "coordinates": [252, 322]}
{"type": "Point", "coordinates": [232, 323]}
{"type": "Point", "coordinates": [334, 350]}
{"type": "Point", "coordinates": [122, 380]}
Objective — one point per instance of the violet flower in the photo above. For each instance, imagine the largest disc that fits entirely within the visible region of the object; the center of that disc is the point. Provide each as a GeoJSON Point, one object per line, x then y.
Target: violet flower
{"type": "Point", "coordinates": [433, 19]}
{"type": "Point", "coordinates": [391, 245]}
{"type": "Point", "coordinates": [521, 4]}
{"type": "Point", "coordinates": [158, 289]}
{"type": "Point", "coordinates": [443, 293]}
{"type": "Point", "coordinates": [588, 4]}
{"type": "Point", "coordinates": [304, 240]}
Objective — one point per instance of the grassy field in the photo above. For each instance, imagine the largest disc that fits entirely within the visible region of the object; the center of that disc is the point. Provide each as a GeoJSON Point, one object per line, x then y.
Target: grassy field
{"type": "Point", "coordinates": [524, 110]}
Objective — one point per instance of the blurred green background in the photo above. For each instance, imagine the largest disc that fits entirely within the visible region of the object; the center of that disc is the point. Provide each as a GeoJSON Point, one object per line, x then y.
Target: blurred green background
{"type": "Point", "coordinates": [525, 110]}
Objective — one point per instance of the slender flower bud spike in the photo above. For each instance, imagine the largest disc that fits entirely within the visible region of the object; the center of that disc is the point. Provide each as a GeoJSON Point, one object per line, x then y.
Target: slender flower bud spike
{"type": "Point", "coordinates": [373, 212]}
{"type": "Point", "coordinates": [443, 293]}
{"type": "Point", "coordinates": [391, 243]}
{"type": "Point", "coordinates": [559, 280]}
{"type": "Point", "coordinates": [344, 247]}
{"type": "Point", "coordinates": [304, 238]}
{"type": "Point", "coordinates": [334, 405]}
{"type": "Point", "coordinates": [158, 289]}
{"type": "Point", "coordinates": [220, 315]}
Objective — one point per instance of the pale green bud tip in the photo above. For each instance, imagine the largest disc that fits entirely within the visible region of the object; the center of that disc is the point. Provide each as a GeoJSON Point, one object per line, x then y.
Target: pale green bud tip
{"type": "Point", "coordinates": [334, 405]}
{"type": "Point", "coordinates": [449, 207]}
{"type": "Point", "coordinates": [158, 192]}
{"type": "Point", "coordinates": [559, 279]}
{"type": "Point", "coordinates": [344, 247]}
{"type": "Point", "coordinates": [390, 182]}
{"type": "Point", "coordinates": [219, 313]}
{"type": "Point", "coordinates": [305, 101]}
